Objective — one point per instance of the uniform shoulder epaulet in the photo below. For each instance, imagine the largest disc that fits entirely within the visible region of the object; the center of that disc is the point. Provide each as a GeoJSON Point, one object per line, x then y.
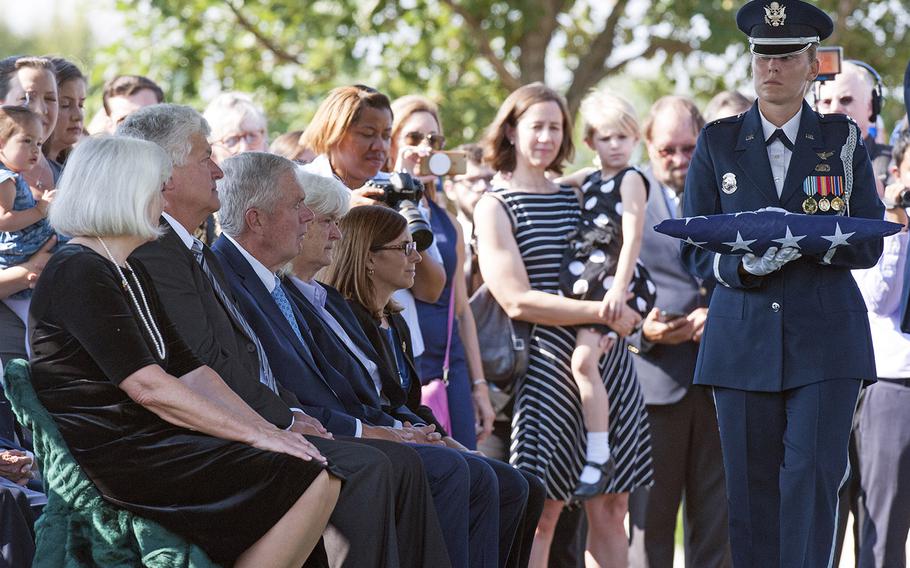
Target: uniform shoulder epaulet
{"type": "Point", "coordinates": [725, 120]}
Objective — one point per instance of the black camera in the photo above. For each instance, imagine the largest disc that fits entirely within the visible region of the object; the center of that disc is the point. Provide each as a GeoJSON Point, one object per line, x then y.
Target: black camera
{"type": "Point", "coordinates": [903, 199]}
{"type": "Point", "coordinates": [403, 192]}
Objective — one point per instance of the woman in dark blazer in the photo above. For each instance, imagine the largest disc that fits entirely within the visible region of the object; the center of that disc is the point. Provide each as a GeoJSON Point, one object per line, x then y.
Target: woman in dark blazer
{"type": "Point", "coordinates": [377, 257]}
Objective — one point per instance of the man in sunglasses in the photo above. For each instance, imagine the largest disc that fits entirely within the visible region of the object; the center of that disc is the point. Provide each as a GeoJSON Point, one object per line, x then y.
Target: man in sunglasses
{"type": "Point", "coordinates": [685, 445]}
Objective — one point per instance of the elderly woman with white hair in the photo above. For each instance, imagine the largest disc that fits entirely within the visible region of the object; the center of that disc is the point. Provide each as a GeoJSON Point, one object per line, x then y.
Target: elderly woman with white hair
{"type": "Point", "coordinates": [238, 125]}
{"type": "Point", "coordinates": [131, 400]}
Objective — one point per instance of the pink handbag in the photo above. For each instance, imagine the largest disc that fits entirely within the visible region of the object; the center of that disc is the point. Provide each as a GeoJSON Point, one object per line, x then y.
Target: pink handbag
{"type": "Point", "coordinates": [433, 394]}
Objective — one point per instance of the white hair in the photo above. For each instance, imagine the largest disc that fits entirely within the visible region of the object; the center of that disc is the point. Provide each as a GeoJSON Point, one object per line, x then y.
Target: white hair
{"type": "Point", "coordinates": [167, 125]}
{"type": "Point", "coordinates": [111, 186]}
{"type": "Point", "coordinates": [228, 110]}
{"type": "Point", "coordinates": [324, 195]}
{"type": "Point", "coordinates": [250, 181]}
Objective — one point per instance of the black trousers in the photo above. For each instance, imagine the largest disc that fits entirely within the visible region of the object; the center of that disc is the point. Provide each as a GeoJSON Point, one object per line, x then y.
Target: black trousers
{"type": "Point", "coordinates": [385, 515]}
{"type": "Point", "coordinates": [688, 470]}
{"type": "Point", "coordinates": [19, 507]}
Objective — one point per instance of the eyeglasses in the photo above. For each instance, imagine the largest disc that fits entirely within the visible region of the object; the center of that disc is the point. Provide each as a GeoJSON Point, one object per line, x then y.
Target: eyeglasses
{"type": "Point", "coordinates": [435, 141]}
{"type": "Point", "coordinates": [407, 248]}
{"type": "Point", "coordinates": [668, 151]}
{"type": "Point", "coordinates": [477, 184]}
{"type": "Point", "coordinates": [250, 138]}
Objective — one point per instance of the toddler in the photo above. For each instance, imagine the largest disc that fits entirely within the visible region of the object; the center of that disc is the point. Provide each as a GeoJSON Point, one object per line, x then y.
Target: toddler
{"type": "Point", "coordinates": [22, 218]}
{"type": "Point", "coordinates": [602, 264]}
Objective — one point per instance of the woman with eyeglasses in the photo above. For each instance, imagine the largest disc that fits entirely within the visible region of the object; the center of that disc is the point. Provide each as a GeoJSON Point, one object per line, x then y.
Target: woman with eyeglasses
{"type": "Point", "coordinates": [377, 257]}
{"type": "Point", "coordinates": [416, 134]}
{"type": "Point", "coordinates": [237, 124]}
{"type": "Point", "coordinates": [523, 228]}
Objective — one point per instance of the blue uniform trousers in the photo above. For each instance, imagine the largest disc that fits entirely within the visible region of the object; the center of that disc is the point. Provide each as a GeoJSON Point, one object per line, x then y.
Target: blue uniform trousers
{"type": "Point", "coordinates": [785, 457]}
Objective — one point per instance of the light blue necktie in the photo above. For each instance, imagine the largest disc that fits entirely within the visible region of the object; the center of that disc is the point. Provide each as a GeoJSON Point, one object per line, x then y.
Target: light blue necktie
{"type": "Point", "coordinates": [265, 371]}
{"type": "Point", "coordinates": [285, 306]}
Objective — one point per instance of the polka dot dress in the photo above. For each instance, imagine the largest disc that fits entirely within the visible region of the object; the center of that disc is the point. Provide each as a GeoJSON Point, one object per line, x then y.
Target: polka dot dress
{"type": "Point", "coordinates": [548, 432]}
{"type": "Point", "coordinates": [589, 264]}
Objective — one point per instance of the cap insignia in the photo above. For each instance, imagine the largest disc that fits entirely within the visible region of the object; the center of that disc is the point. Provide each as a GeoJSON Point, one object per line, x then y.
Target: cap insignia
{"type": "Point", "coordinates": [775, 14]}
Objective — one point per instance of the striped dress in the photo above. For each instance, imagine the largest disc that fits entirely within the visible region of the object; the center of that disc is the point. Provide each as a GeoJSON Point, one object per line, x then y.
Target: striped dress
{"type": "Point", "coordinates": [548, 433]}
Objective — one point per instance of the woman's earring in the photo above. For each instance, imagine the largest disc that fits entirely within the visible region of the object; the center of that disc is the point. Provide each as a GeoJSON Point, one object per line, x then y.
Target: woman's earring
{"type": "Point", "coordinates": [370, 271]}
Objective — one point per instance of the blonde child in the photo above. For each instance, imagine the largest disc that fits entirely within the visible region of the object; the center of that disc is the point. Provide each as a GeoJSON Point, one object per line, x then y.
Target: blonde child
{"type": "Point", "coordinates": [602, 264]}
{"type": "Point", "coordinates": [23, 224]}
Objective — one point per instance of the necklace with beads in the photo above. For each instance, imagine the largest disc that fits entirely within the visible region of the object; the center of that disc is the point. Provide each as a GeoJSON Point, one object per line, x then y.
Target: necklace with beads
{"type": "Point", "coordinates": [144, 315]}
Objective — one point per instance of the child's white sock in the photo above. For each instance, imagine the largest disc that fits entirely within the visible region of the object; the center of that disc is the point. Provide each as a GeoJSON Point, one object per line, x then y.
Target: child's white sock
{"type": "Point", "coordinates": [598, 452]}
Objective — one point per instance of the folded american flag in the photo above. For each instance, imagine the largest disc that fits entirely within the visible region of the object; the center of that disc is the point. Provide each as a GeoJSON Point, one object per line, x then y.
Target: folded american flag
{"type": "Point", "coordinates": [757, 231]}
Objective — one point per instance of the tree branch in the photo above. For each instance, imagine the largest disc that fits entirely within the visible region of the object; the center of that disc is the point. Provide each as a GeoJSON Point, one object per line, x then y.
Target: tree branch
{"type": "Point", "coordinates": [281, 53]}
{"type": "Point", "coordinates": [580, 85]}
{"type": "Point", "coordinates": [509, 81]}
{"type": "Point", "coordinates": [536, 39]}
{"type": "Point", "coordinates": [590, 68]}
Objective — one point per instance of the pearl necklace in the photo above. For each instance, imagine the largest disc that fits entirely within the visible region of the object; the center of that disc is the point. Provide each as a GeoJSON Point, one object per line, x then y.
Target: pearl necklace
{"type": "Point", "coordinates": [148, 322]}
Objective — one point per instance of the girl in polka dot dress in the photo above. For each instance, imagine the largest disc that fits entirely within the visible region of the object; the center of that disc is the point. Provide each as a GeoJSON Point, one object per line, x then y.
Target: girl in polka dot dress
{"type": "Point", "coordinates": [602, 264]}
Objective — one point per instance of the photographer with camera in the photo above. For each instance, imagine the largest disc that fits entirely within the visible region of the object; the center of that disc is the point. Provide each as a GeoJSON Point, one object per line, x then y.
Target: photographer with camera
{"type": "Point", "coordinates": [351, 134]}
{"type": "Point", "coordinates": [417, 143]}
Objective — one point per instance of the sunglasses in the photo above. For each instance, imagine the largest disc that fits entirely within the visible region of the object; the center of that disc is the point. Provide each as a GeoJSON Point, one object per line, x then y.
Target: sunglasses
{"type": "Point", "coordinates": [407, 248]}
{"type": "Point", "coordinates": [435, 141]}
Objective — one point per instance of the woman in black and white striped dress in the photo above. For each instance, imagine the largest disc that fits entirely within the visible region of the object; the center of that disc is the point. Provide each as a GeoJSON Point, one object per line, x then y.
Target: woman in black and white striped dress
{"type": "Point", "coordinates": [522, 230]}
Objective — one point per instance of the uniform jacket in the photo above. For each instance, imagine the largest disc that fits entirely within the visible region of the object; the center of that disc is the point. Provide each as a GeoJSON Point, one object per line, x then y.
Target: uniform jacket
{"type": "Point", "coordinates": [806, 322]}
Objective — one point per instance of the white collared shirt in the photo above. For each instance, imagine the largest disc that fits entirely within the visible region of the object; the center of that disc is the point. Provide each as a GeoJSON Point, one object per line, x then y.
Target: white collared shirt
{"type": "Point", "coordinates": [321, 166]}
{"type": "Point", "coordinates": [179, 230]}
{"type": "Point", "coordinates": [673, 200]}
{"type": "Point", "coordinates": [264, 274]}
{"type": "Point", "coordinates": [778, 154]}
{"type": "Point", "coordinates": [316, 294]}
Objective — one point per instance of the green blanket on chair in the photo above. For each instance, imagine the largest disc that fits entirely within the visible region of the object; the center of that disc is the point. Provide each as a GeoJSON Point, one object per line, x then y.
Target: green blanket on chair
{"type": "Point", "coordinates": [77, 527]}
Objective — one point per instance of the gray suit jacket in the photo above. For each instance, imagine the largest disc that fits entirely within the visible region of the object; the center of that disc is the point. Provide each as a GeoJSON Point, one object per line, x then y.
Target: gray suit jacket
{"type": "Point", "coordinates": [665, 371]}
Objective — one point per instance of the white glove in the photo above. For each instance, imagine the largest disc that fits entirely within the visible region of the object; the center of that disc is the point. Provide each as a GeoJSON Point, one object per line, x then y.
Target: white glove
{"type": "Point", "coordinates": [772, 260]}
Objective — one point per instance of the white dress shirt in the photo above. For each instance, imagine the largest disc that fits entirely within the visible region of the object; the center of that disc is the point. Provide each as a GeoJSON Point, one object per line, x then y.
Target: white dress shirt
{"type": "Point", "coordinates": [881, 288]}
{"type": "Point", "coordinates": [778, 154]}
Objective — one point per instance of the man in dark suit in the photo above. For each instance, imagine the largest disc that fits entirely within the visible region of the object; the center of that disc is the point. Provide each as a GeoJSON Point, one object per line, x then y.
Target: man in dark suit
{"type": "Point", "coordinates": [685, 446]}
{"type": "Point", "coordinates": [264, 220]}
{"type": "Point", "coordinates": [787, 343]}
{"type": "Point", "coordinates": [382, 477]}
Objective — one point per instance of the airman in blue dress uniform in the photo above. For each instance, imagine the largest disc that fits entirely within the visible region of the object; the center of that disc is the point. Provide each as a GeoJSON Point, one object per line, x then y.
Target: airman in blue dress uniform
{"type": "Point", "coordinates": [786, 345]}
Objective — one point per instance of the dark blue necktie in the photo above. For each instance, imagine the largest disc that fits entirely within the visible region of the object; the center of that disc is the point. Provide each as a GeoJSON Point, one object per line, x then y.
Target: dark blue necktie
{"type": "Point", "coordinates": [779, 135]}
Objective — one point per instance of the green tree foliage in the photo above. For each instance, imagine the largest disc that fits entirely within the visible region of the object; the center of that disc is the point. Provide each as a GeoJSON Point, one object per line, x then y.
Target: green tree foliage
{"type": "Point", "coordinates": [466, 54]}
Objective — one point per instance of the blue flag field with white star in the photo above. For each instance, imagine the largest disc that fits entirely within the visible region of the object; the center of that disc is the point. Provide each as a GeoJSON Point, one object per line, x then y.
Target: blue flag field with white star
{"type": "Point", "coordinates": [757, 231]}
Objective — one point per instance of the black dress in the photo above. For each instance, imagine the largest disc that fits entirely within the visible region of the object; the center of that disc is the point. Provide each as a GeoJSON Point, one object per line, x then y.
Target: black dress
{"type": "Point", "coordinates": [87, 337]}
{"type": "Point", "coordinates": [589, 265]}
